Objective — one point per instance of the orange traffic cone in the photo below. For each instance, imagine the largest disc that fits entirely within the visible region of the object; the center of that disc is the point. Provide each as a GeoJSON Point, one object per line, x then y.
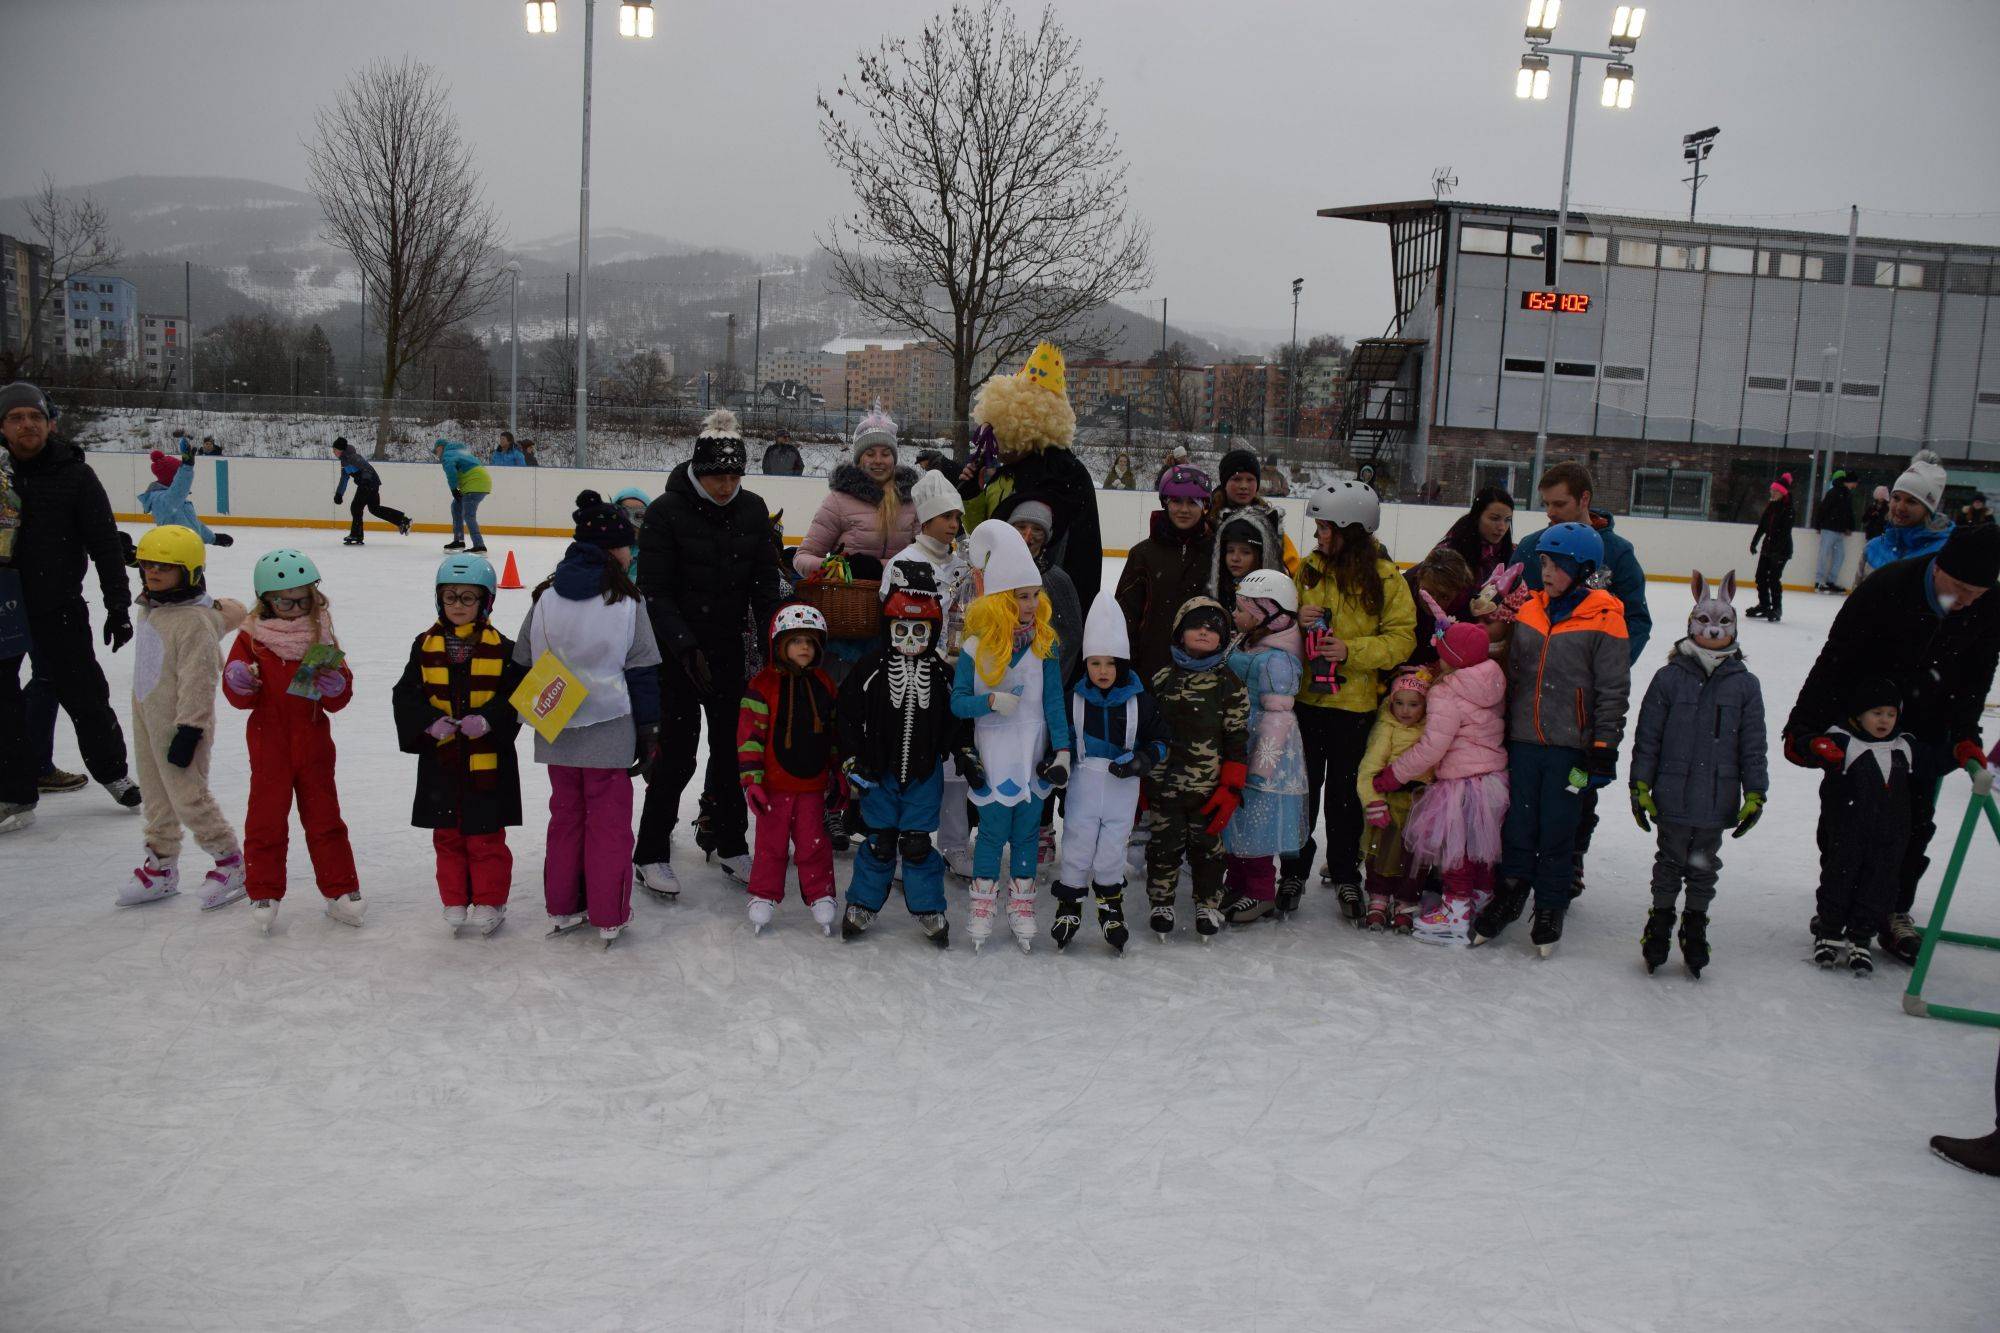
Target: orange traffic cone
{"type": "Point", "coordinates": [510, 577]}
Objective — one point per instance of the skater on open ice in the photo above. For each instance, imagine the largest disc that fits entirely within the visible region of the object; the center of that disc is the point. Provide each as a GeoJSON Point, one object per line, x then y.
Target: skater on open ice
{"type": "Point", "coordinates": [168, 501]}
{"type": "Point", "coordinates": [1393, 886]}
{"type": "Point", "coordinates": [1120, 739]}
{"type": "Point", "coordinates": [1008, 682]}
{"type": "Point", "coordinates": [177, 666]}
{"type": "Point", "coordinates": [1454, 826]}
{"type": "Point", "coordinates": [367, 493]}
{"type": "Point", "coordinates": [788, 760]}
{"type": "Point", "coordinates": [1834, 520]}
{"type": "Point", "coordinates": [896, 727]}
{"type": "Point", "coordinates": [453, 712]}
{"type": "Point", "coordinates": [1197, 789]}
{"type": "Point", "coordinates": [1568, 678]}
{"type": "Point", "coordinates": [277, 673]}
{"type": "Point", "coordinates": [1267, 657]}
{"type": "Point", "coordinates": [1774, 531]}
{"type": "Point", "coordinates": [1864, 822]}
{"type": "Point", "coordinates": [590, 617]}
{"type": "Point", "coordinates": [470, 484]}
{"type": "Point", "coordinates": [1698, 768]}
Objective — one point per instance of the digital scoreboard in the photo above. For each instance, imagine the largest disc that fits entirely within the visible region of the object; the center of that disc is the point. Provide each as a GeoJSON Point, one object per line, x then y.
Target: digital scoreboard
{"type": "Point", "coordinates": [1561, 303]}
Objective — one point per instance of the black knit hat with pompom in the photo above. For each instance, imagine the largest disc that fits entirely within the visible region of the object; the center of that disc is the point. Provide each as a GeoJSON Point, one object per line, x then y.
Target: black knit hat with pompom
{"type": "Point", "coordinates": [599, 523]}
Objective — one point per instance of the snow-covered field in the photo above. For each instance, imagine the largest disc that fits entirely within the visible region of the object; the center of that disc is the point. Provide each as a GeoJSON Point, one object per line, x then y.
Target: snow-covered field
{"type": "Point", "coordinates": [1302, 1126]}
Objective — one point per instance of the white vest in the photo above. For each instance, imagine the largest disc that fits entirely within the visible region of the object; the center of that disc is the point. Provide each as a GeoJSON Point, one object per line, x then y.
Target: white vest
{"type": "Point", "coordinates": [1010, 745]}
{"type": "Point", "coordinates": [592, 640]}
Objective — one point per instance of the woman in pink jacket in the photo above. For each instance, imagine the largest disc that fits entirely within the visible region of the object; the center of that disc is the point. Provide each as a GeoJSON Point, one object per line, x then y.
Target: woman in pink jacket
{"type": "Point", "coordinates": [867, 510]}
{"type": "Point", "coordinates": [1454, 827]}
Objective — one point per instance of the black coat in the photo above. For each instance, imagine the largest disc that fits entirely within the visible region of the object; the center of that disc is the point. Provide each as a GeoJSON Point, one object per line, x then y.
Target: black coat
{"type": "Point", "coordinates": [1774, 529]}
{"type": "Point", "coordinates": [1887, 630]}
{"type": "Point", "coordinates": [709, 571]}
{"type": "Point", "coordinates": [66, 525]}
{"type": "Point", "coordinates": [871, 727]}
{"type": "Point", "coordinates": [1836, 509]}
{"type": "Point", "coordinates": [1162, 572]}
{"type": "Point", "coordinates": [444, 798]}
{"type": "Point", "coordinates": [1864, 827]}
{"type": "Point", "coordinates": [1058, 478]}
{"type": "Point", "coordinates": [783, 460]}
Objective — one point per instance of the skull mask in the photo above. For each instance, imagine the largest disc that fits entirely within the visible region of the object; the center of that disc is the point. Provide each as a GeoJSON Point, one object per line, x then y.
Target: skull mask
{"type": "Point", "coordinates": [911, 638]}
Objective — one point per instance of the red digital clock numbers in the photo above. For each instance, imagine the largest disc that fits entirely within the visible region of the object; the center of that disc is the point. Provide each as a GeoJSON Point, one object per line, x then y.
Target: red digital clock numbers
{"type": "Point", "coordinates": [1561, 303]}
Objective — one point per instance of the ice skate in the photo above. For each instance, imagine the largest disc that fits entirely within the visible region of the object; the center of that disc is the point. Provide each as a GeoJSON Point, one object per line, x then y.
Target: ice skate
{"type": "Point", "coordinates": [837, 835]}
{"type": "Point", "coordinates": [658, 879]}
{"type": "Point", "coordinates": [761, 912]}
{"type": "Point", "coordinates": [456, 917]}
{"type": "Point", "coordinates": [564, 924]}
{"type": "Point", "coordinates": [1981, 1154]}
{"type": "Point", "coordinates": [58, 780]}
{"type": "Point", "coordinates": [1826, 947]}
{"type": "Point", "coordinates": [854, 924]}
{"type": "Point", "coordinates": [1859, 960]}
{"type": "Point", "coordinates": [1245, 909]}
{"type": "Point", "coordinates": [1069, 915]}
{"type": "Point", "coordinates": [826, 912]}
{"type": "Point", "coordinates": [1901, 939]}
{"type": "Point", "coordinates": [1450, 922]}
{"type": "Point", "coordinates": [14, 818]}
{"type": "Point", "coordinates": [936, 929]}
{"type": "Point", "coordinates": [1503, 911]}
{"type": "Point", "coordinates": [610, 934]}
{"type": "Point", "coordinates": [1021, 913]}
{"type": "Point", "coordinates": [1403, 917]}
{"type": "Point", "coordinates": [1694, 942]}
{"type": "Point", "coordinates": [486, 919]}
{"type": "Point", "coordinates": [1547, 931]}
{"type": "Point", "coordinates": [737, 867]}
{"type": "Point", "coordinates": [125, 791]}
{"type": "Point", "coordinates": [1349, 894]}
{"type": "Point", "coordinates": [154, 880]}
{"type": "Point", "coordinates": [1162, 920]}
{"type": "Point", "coordinates": [1657, 938]}
{"type": "Point", "coordinates": [1111, 915]}
{"type": "Point", "coordinates": [1377, 918]}
{"type": "Point", "coordinates": [264, 914]}
{"type": "Point", "coordinates": [1208, 922]}
{"type": "Point", "coordinates": [985, 903]}
{"type": "Point", "coordinates": [347, 909]}
{"type": "Point", "coordinates": [224, 884]}
{"type": "Point", "coordinates": [1291, 892]}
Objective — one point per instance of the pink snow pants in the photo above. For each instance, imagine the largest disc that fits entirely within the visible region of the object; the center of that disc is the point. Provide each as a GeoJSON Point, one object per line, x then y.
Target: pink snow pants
{"type": "Point", "coordinates": [795, 824]}
{"type": "Point", "coordinates": [1253, 876]}
{"type": "Point", "coordinates": [588, 866]}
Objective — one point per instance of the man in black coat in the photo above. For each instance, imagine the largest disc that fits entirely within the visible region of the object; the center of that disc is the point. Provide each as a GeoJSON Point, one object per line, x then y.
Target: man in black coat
{"type": "Point", "coordinates": [782, 458]}
{"type": "Point", "coordinates": [708, 565]}
{"type": "Point", "coordinates": [1834, 520]}
{"type": "Point", "coordinates": [66, 526]}
{"type": "Point", "coordinates": [1933, 628]}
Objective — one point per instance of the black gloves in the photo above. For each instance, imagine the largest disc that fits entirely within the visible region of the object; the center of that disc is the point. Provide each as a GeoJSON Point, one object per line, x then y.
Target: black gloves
{"type": "Point", "coordinates": [1055, 769]}
{"type": "Point", "coordinates": [695, 663]}
{"type": "Point", "coordinates": [131, 550]}
{"type": "Point", "coordinates": [180, 750]}
{"type": "Point", "coordinates": [1138, 766]}
{"type": "Point", "coordinates": [1601, 762]}
{"type": "Point", "coordinates": [645, 751]}
{"type": "Point", "coordinates": [222, 539]}
{"type": "Point", "coordinates": [117, 628]}
{"type": "Point", "coordinates": [970, 768]}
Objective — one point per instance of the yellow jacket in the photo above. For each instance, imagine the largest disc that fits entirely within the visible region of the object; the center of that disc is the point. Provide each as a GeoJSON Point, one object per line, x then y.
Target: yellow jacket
{"type": "Point", "coordinates": [1375, 644]}
{"type": "Point", "coordinates": [1386, 744]}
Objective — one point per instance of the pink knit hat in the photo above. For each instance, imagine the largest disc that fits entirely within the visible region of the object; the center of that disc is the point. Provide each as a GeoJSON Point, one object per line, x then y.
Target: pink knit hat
{"type": "Point", "coordinates": [1464, 645]}
{"type": "Point", "coordinates": [164, 467]}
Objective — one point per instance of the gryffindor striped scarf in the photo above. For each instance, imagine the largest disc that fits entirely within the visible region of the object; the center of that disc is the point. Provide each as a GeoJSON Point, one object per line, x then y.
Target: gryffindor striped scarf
{"type": "Point", "coordinates": [456, 692]}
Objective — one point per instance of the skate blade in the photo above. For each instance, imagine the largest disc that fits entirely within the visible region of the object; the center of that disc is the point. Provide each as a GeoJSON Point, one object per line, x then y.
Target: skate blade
{"type": "Point", "coordinates": [238, 896]}
{"type": "Point", "coordinates": [1026, 946]}
{"type": "Point", "coordinates": [554, 931]}
{"type": "Point", "coordinates": [490, 931]}
{"type": "Point", "coordinates": [663, 895]}
{"type": "Point", "coordinates": [142, 902]}
{"type": "Point", "coordinates": [1546, 950]}
{"type": "Point", "coordinates": [1160, 935]}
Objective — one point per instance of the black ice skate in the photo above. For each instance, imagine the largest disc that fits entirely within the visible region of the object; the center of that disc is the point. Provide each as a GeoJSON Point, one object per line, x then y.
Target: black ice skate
{"type": "Point", "coordinates": [1859, 961]}
{"type": "Point", "coordinates": [1694, 942]}
{"type": "Point", "coordinates": [1503, 911]}
{"type": "Point", "coordinates": [1658, 937]}
{"type": "Point", "coordinates": [1069, 915]}
{"type": "Point", "coordinates": [1547, 931]}
{"type": "Point", "coordinates": [1350, 898]}
{"type": "Point", "coordinates": [1291, 892]}
{"type": "Point", "coordinates": [1901, 939]}
{"type": "Point", "coordinates": [1162, 920]}
{"type": "Point", "coordinates": [1111, 915]}
{"type": "Point", "coordinates": [1207, 922]}
{"type": "Point", "coordinates": [1826, 946]}
{"type": "Point", "coordinates": [935, 928]}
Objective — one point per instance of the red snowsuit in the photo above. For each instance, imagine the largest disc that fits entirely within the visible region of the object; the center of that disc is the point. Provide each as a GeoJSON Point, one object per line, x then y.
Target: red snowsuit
{"type": "Point", "coordinates": [291, 752]}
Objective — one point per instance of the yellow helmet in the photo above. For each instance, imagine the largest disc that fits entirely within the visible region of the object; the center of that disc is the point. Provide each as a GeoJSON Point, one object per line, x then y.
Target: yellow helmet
{"type": "Point", "coordinates": [171, 544]}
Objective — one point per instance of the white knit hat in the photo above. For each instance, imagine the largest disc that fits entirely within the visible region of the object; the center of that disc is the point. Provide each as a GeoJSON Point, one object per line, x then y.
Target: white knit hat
{"type": "Point", "coordinates": [1925, 480]}
{"type": "Point", "coordinates": [998, 551]}
{"type": "Point", "coordinates": [1104, 633]}
{"type": "Point", "coordinates": [934, 495]}
{"type": "Point", "coordinates": [875, 428]}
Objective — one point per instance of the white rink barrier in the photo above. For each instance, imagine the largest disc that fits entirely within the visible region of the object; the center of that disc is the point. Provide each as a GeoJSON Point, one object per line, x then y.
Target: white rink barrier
{"type": "Point", "coordinates": [536, 502]}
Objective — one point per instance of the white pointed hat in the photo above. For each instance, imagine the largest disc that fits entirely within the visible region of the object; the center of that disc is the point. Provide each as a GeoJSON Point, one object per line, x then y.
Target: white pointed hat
{"type": "Point", "coordinates": [999, 552]}
{"type": "Point", "coordinates": [1104, 633]}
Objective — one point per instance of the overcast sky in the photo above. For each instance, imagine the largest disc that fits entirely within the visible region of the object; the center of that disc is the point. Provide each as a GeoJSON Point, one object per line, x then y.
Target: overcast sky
{"type": "Point", "coordinates": [1240, 118]}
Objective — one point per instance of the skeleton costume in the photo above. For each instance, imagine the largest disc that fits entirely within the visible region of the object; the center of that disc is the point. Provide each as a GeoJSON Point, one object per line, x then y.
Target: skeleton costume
{"type": "Point", "coordinates": [896, 723]}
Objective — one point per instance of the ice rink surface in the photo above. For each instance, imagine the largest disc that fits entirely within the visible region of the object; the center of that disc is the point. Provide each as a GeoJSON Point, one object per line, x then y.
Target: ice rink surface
{"type": "Point", "coordinates": [1302, 1126]}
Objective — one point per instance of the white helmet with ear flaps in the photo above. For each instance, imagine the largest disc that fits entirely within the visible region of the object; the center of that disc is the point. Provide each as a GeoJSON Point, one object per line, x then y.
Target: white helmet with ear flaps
{"type": "Point", "coordinates": [1273, 585]}
{"type": "Point", "coordinates": [1345, 502]}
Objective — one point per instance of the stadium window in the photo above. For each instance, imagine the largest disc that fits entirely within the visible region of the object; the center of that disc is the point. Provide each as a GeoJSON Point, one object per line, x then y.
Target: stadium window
{"type": "Point", "coordinates": [1636, 374]}
{"type": "Point", "coordinates": [1582, 248]}
{"type": "Point", "coordinates": [1767, 383]}
{"type": "Point", "coordinates": [1665, 492]}
{"type": "Point", "coordinates": [1856, 389]}
{"type": "Point", "coordinates": [1508, 474]}
{"type": "Point", "coordinates": [1521, 365]}
{"type": "Point", "coordinates": [1526, 244]}
{"type": "Point", "coordinates": [1971, 279]}
{"type": "Point", "coordinates": [1638, 254]}
{"type": "Point", "coordinates": [1730, 259]}
{"type": "Point", "coordinates": [1482, 241]}
{"type": "Point", "coordinates": [1684, 258]}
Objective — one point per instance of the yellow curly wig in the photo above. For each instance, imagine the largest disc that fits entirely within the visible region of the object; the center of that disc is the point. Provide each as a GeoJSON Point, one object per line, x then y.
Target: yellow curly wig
{"type": "Point", "coordinates": [1025, 417]}
{"type": "Point", "coordinates": [992, 619]}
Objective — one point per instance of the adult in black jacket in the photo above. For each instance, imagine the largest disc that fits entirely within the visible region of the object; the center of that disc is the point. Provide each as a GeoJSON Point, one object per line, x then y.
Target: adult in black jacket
{"type": "Point", "coordinates": [1774, 531]}
{"type": "Point", "coordinates": [66, 526]}
{"type": "Point", "coordinates": [1834, 520]}
{"type": "Point", "coordinates": [1932, 627]}
{"type": "Point", "coordinates": [782, 458]}
{"type": "Point", "coordinates": [1059, 479]}
{"type": "Point", "coordinates": [708, 566]}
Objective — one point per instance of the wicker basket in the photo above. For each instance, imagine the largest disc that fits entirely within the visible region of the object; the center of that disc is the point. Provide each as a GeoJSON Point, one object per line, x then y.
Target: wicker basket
{"type": "Point", "coordinates": [853, 608]}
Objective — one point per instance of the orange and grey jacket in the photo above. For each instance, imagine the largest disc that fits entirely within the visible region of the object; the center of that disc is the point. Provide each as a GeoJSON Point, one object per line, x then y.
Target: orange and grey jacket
{"type": "Point", "coordinates": [1568, 684]}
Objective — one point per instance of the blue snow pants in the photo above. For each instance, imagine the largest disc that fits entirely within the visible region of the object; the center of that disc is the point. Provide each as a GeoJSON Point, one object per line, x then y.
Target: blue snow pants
{"type": "Point", "coordinates": [888, 810]}
{"type": "Point", "coordinates": [1539, 837]}
{"type": "Point", "coordinates": [1015, 827]}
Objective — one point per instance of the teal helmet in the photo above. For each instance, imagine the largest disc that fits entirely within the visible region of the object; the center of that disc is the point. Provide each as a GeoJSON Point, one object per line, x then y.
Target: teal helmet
{"type": "Point", "coordinates": [632, 493]}
{"type": "Point", "coordinates": [281, 569]}
{"type": "Point", "coordinates": [472, 571]}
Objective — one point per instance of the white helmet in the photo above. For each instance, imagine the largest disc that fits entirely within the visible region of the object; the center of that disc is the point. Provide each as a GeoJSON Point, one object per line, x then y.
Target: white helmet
{"type": "Point", "coordinates": [1345, 502]}
{"type": "Point", "coordinates": [796, 616]}
{"type": "Point", "coordinates": [1272, 585]}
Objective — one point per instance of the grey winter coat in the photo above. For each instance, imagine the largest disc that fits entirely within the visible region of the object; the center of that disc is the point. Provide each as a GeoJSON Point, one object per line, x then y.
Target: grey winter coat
{"type": "Point", "coordinates": [1700, 741]}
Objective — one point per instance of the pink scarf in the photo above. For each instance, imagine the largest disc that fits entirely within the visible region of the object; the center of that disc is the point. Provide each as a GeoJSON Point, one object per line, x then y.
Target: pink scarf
{"type": "Point", "coordinates": [289, 639]}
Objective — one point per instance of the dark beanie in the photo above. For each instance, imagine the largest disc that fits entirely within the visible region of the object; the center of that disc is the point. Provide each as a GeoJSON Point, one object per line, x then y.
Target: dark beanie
{"type": "Point", "coordinates": [600, 524]}
{"type": "Point", "coordinates": [1873, 692]}
{"type": "Point", "coordinates": [339, 443]}
{"type": "Point", "coordinates": [1240, 460]}
{"type": "Point", "coordinates": [23, 394]}
{"type": "Point", "coordinates": [1972, 555]}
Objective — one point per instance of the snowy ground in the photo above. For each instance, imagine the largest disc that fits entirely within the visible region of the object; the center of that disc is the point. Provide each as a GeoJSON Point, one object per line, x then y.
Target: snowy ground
{"type": "Point", "coordinates": [1300, 1127]}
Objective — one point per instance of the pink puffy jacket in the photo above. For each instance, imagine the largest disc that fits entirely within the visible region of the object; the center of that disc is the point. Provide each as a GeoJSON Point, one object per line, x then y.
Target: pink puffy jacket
{"type": "Point", "coordinates": [848, 520]}
{"type": "Point", "coordinates": [1465, 727]}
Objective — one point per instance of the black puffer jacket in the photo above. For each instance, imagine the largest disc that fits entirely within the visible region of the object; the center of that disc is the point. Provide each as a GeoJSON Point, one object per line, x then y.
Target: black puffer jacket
{"type": "Point", "coordinates": [1774, 530]}
{"type": "Point", "coordinates": [66, 525]}
{"type": "Point", "coordinates": [707, 569]}
{"type": "Point", "coordinates": [1161, 573]}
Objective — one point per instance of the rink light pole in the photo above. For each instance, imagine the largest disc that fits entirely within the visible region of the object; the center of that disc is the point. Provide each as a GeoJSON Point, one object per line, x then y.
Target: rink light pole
{"type": "Point", "coordinates": [1531, 83]}
{"type": "Point", "coordinates": [635, 19]}
{"type": "Point", "coordinates": [513, 271]}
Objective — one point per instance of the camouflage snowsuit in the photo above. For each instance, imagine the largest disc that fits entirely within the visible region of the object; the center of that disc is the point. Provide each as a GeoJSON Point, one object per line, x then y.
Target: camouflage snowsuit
{"type": "Point", "coordinates": [1206, 715]}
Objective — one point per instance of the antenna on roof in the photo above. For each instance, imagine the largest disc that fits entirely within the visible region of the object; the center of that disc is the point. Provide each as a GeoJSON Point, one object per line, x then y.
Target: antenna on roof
{"type": "Point", "coordinates": [1443, 182]}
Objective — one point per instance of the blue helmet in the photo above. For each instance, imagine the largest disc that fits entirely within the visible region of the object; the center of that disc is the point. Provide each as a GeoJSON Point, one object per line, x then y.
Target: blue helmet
{"type": "Point", "coordinates": [474, 571]}
{"type": "Point", "coordinates": [1573, 541]}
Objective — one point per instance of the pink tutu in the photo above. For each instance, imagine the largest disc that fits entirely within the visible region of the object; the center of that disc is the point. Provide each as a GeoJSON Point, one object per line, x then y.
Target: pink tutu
{"type": "Point", "coordinates": [1456, 820]}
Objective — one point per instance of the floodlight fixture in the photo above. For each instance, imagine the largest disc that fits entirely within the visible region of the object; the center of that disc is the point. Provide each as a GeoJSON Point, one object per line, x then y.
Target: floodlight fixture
{"type": "Point", "coordinates": [1542, 16]}
{"type": "Point", "coordinates": [1626, 25]}
{"type": "Point", "coordinates": [1533, 78]}
{"type": "Point", "coordinates": [635, 19]}
{"type": "Point", "coordinates": [1618, 86]}
{"type": "Point", "coordinates": [541, 16]}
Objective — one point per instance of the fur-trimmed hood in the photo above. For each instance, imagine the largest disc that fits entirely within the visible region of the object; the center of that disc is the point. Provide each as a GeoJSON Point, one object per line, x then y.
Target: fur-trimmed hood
{"type": "Point", "coordinates": [849, 479]}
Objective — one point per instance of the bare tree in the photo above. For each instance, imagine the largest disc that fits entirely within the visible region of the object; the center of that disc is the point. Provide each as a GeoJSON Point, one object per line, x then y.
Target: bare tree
{"type": "Point", "coordinates": [402, 196]}
{"type": "Point", "coordinates": [991, 189]}
{"type": "Point", "coordinates": [77, 231]}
